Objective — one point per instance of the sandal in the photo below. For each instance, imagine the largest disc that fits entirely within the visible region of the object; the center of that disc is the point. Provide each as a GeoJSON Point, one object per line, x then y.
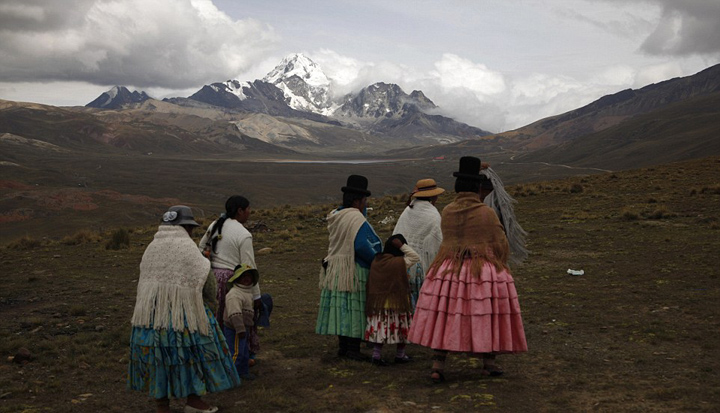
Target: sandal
{"type": "Point", "coordinates": [437, 376]}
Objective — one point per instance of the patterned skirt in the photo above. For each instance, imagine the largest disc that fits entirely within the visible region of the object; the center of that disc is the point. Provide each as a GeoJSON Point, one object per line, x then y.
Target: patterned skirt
{"type": "Point", "coordinates": [175, 364]}
{"type": "Point", "coordinates": [388, 327]}
{"type": "Point", "coordinates": [342, 313]}
{"type": "Point", "coordinates": [477, 313]}
{"type": "Point", "coordinates": [222, 275]}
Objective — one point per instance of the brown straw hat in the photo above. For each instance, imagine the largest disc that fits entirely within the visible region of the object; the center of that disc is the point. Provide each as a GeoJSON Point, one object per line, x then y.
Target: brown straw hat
{"type": "Point", "coordinates": [426, 188]}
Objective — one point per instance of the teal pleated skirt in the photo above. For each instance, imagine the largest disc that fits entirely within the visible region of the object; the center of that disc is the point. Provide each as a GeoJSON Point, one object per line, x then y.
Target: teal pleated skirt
{"type": "Point", "coordinates": [175, 364]}
{"type": "Point", "coordinates": [342, 313]}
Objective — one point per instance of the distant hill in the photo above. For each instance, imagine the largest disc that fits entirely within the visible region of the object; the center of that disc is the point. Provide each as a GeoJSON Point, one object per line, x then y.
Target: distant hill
{"type": "Point", "coordinates": [132, 131]}
{"type": "Point", "coordinates": [684, 130]}
{"type": "Point", "coordinates": [612, 110]}
{"type": "Point", "coordinates": [677, 119]}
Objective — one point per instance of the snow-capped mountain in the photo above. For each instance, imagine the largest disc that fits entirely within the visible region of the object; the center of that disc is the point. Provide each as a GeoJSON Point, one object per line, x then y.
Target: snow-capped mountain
{"type": "Point", "coordinates": [117, 97]}
{"type": "Point", "coordinates": [298, 90]}
{"type": "Point", "coordinates": [304, 84]}
{"type": "Point", "coordinates": [383, 100]}
{"type": "Point", "coordinates": [257, 97]}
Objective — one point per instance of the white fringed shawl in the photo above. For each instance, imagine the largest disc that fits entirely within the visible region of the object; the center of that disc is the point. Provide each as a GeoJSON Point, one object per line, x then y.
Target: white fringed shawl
{"type": "Point", "coordinates": [343, 226]}
{"type": "Point", "coordinates": [502, 203]}
{"type": "Point", "coordinates": [420, 225]}
{"type": "Point", "coordinates": [172, 275]}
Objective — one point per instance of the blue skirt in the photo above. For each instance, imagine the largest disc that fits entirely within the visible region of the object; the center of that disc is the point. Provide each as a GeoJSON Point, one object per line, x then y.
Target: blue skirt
{"type": "Point", "coordinates": [175, 364]}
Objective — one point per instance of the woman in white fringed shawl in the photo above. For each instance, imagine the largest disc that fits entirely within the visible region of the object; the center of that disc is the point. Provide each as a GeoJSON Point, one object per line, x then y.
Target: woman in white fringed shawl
{"type": "Point", "coordinates": [420, 225]}
{"type": "Point", "coordinates": [177, 349]}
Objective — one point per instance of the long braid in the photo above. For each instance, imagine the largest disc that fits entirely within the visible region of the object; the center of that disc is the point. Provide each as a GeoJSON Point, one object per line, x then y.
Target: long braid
{"type": "Point", "coordinates": [232, 205]}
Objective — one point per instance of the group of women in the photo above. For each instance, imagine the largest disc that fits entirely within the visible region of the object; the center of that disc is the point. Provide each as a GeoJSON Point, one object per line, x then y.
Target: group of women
{"type": "Point", "coordinates": [462, 289]}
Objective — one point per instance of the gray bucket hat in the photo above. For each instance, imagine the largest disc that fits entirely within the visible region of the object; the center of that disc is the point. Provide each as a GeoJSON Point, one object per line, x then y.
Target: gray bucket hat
{"type": "Point", "coordinates": [179, 215]}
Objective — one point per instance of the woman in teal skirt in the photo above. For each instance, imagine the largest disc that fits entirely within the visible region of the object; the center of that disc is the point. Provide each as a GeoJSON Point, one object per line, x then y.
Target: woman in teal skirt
{"type": "Point", "coordinates": [177, 349]}
{"type": "Point", "coordinates": [351, 248]}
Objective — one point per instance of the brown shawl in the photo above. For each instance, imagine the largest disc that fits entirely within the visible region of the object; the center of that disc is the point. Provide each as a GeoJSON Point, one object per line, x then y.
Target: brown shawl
{"type": "Point", "coordinates": [472, 230]}
{"type": "Point", "coordinates": [387, 285]}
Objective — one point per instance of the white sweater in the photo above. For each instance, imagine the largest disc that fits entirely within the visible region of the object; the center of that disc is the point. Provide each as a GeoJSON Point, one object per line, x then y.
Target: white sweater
{"type": "Point", "coordinates": [234, 248]}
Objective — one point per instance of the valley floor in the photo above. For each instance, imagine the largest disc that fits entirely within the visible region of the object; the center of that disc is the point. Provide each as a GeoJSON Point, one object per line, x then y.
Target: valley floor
{"type": "Point", "coordinates": [637, 332]}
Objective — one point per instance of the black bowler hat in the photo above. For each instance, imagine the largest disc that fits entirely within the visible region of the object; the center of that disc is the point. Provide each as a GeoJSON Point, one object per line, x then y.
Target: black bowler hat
{"type": "Point", "coordinates": [469, 169]}
{"type": "Point", "coordinates": [357, 184]}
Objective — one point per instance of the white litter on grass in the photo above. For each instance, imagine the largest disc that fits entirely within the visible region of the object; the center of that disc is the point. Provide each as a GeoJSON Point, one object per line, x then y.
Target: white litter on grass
{"type": "Point", "coordinates": [575, 272]}
{"type": "Point", "coordinates": [387, 220]}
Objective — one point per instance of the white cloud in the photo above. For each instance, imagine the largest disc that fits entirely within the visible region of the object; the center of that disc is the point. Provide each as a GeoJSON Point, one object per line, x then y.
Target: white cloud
{"type": "Point", "coordinates": [452, 71]}
{"type": "Point", "coordinates": [159, 43]}
{"type": "Point", "coordinates": [657, 73]}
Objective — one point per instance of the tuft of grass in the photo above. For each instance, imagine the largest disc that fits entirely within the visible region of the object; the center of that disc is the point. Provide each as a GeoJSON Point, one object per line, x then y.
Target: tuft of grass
{"type": "Point", "coordinates": [629, 214]}
{"type": "Point", "coordinates": [575, 188]}
{"type": "Point", "coordinates": [77, 310]}
{"type": "Point", "coordinates": [711, 190]}
{"type": "Point", "coordinates": [119, 239]}
{"type": "Point", "coordinates": [81, 237]}
{"type": "Point", "coordinates": [25, 243]}
{"type": "Point", "coordinates": [661, 212]}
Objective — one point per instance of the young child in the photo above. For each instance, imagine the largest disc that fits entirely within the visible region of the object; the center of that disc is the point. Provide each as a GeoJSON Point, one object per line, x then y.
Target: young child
{"type": "Point", "coordinates": [239, 316]}
{"type": "Point", "coordinates": [387, 305]}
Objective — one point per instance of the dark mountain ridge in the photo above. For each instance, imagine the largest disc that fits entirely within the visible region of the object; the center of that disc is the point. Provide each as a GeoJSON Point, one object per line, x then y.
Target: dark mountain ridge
{"type": "Point", "coordinates": [117, 98]}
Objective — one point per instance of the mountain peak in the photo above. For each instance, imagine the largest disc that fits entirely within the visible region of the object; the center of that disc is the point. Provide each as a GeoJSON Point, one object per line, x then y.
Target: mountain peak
{"type": "Point", "coordinates": [297, 64]}
{"type": "Point", "coordinates": [303, 83]}
{"type": "Point", "coordinates": [117, 97]}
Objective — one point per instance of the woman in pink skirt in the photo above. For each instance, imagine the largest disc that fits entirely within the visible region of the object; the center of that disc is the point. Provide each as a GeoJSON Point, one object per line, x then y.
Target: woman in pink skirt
{"type": "Point", "coordinates": [468, 302]}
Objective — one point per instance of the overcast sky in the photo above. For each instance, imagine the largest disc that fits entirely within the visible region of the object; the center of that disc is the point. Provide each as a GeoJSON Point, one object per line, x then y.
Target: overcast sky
{"type": "Point", "coordinates": [495, 64]}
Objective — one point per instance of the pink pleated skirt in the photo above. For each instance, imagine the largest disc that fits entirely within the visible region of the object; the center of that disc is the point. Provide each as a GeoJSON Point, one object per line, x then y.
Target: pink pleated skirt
{"type": "Point", "coordinates": [468, 312]}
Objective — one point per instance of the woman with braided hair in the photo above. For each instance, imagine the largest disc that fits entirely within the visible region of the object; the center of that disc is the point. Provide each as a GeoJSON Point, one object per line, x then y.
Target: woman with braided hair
{"type": "Point", "coordinates": [227, 244]}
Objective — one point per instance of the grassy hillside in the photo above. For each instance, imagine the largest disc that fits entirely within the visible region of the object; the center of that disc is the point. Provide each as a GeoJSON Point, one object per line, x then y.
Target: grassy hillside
{"type": "Point", "coordinates": [685, 130]}
{"type": "Point", "coordinates": [637, 332]}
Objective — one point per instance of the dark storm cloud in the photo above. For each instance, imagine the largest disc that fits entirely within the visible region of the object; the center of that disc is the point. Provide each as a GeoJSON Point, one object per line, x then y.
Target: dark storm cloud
{"type": "Point", "coordinates": [159, 43]}
{"type": "Point", "coordinates": [42, 15]}
{"type": "Point", "coordinates": [687, 27]}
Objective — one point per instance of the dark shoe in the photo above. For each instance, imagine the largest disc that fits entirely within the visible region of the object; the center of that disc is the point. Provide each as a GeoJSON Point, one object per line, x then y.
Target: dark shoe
{"type": "Point", "coordinates": [404, 359]}
{"type": "Point", "coordinates": [248, 376]}
{"type": "Point", "coordinates": [437, 376]}
{"type": "Point", "coordinates": [380, 362]}
{"type": "Point", "coordinates": [354, 355]}
{"type": "Point", "coordinates": [492, 371]}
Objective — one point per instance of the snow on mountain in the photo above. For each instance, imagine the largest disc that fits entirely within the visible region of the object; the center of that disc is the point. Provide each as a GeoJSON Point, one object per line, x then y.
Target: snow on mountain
{"type": "Point", "coordinates": [382, 100]}
{"type": "Point", "coordinates": [233, 87]}
{"type": "Point", "coordinates": [304, 84]}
